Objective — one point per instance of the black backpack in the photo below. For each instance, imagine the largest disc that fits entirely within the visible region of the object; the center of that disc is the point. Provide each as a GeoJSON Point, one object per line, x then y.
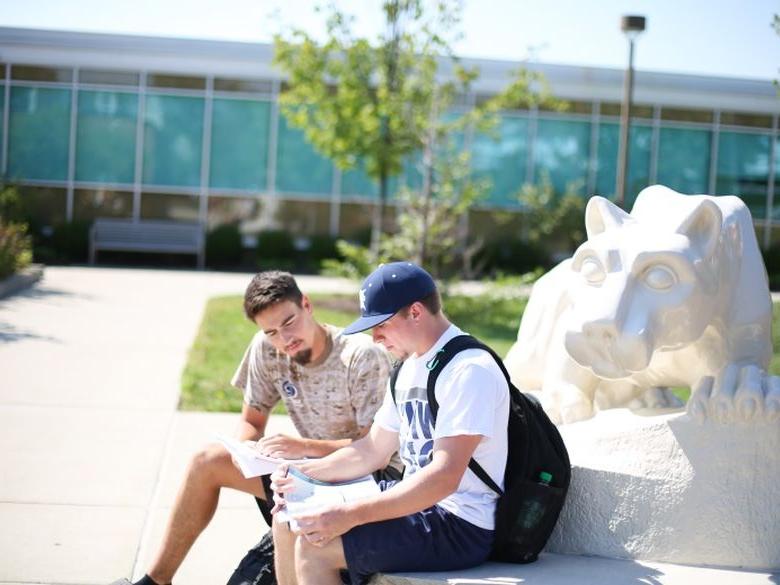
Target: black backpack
{"type": "Point", "coordinates": [531, 501]}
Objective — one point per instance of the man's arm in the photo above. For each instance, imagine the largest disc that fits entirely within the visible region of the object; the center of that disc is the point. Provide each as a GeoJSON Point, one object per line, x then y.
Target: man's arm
{"type": "Point", "coordinates": [251, 424]}
{"type": "Point", "coordinates": [423, 489]}
{"type": "Point", "coordinates": [288, 447]}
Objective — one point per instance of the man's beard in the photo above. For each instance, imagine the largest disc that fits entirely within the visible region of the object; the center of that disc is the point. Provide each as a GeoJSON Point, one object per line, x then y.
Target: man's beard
{"type": "Point", "coordinates": [303, 357]}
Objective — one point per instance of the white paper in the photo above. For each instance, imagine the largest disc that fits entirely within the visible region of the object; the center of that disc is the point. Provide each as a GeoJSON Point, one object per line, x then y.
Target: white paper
{"type": "Point", "coordinates": [310, 495]}
{"type": "Point", "coordinates": [250, 461]}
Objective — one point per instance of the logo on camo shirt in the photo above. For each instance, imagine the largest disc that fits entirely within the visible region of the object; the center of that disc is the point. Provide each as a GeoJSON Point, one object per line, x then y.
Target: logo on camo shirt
{"type": "Point", "coordinates": [289, 389]}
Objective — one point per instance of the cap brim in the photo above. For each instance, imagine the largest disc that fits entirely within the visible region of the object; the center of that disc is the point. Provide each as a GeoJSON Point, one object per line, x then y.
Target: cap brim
{"type": "Point", "coordinates": [364, 323]}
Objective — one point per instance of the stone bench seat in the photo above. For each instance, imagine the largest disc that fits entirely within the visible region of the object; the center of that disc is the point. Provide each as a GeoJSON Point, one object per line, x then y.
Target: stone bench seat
{"type": "Point", "coordinates": [121, 235]}
{"type": "Point", "coordinates": [557, 569]}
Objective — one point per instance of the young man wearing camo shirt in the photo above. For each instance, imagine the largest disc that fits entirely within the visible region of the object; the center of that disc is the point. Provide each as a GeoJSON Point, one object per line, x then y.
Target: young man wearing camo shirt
{"type": "Point", "coordinates": [331, 384]}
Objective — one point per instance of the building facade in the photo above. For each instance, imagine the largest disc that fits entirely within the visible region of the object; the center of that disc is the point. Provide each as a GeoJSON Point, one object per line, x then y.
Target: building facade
{"type": "Point", "coordinates": [137, 127]}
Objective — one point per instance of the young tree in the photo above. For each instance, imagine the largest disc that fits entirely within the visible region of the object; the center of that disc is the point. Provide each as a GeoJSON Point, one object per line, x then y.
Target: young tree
{"type": "Point", "coordinates": [377, 103]}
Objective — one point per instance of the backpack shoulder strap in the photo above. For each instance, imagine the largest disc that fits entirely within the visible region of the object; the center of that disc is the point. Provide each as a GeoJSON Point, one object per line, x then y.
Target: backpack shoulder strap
{"type": "Point", "coordinates": [393, 378]}
{"type": "Point", "coordinates": [437, 364]}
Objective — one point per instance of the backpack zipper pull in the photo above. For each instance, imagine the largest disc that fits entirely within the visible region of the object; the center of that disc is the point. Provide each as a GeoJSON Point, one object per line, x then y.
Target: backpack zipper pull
{"type": "Point", "coordinates": [434, 361]}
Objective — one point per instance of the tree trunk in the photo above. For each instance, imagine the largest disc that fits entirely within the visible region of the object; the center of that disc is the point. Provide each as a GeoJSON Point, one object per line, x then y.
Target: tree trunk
{"type": "Point", "coordinates": [377, 224]}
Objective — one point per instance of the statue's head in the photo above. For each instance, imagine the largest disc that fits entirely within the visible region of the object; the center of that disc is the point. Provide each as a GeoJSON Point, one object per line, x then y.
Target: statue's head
{"type": "Point", "coordinates": [642, 283]}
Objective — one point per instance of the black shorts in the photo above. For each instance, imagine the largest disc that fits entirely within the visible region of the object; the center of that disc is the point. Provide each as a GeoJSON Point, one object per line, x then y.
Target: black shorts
{"type": "Point", "coordinates": [431, 540]}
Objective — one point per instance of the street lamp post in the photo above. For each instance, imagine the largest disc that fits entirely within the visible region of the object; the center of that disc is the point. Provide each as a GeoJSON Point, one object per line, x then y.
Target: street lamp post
{"type": "Point", "coordinates": [632, 26]}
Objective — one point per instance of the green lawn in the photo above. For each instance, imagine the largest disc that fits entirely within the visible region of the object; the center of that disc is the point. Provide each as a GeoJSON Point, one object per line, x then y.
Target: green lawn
{"type": "Point", "coordinates": [225, 333]}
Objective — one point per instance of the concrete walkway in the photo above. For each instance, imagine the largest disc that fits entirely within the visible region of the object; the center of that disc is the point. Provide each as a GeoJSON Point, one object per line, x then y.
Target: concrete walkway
{"type": "Point", "coordinates": [93, 448]}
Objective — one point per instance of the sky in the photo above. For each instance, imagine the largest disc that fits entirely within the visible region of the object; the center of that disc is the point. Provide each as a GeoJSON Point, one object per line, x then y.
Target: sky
{"type": "Point", "coordinates": [732, 38]}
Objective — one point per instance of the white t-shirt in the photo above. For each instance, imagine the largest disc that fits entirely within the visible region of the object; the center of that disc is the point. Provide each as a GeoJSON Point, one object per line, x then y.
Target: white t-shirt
{"type": "Point", "coordinates": [473, 399]}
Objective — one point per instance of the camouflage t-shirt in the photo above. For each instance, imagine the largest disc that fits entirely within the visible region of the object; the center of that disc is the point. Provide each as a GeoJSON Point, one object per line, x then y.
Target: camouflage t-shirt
{"type": "Point", "coordinates": [330, 400]}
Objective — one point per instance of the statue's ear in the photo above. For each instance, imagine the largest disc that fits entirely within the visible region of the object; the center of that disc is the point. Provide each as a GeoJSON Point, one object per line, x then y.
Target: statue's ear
{"type": "Point", "coordinates": [702, 227]}
{"type": "Point", "coordinates": [602, 215]}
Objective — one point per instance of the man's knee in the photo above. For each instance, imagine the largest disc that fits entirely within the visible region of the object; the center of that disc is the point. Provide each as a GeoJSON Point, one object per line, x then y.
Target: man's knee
{"type": "Point", "coordinates": [308, 556]}
{"type": "Point", "coordinates": [211, 464]}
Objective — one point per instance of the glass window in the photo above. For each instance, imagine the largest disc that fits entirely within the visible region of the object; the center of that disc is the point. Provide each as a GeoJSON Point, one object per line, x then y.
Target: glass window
{"type": "Point", "coordinates": [175, 81]}
{"type": "Point", "coordinates": [561, 152]}
{"type": "Point", "coordinates": [502, 159]}
{"type": "Point", "coordinates": [103, 77]}
{"type": "Point", "coordinates": [239, 144]}
{"type": "Point", "coordinates": [637, 110]}
{"type": "Point", "coordinates": [243, 85]}
{"type": "Point", "coordinates": [2, 116]}
{"type": "Point", "coordinates": [776, 199]}
{"type": "Point", "coordinates": [46, 205]}
{"type": "Point", "coordinates": [684, 159]}
{"type": "Point", "coordinates": [299, 168]}
{"type": "Point", "coordinates": [169, 207]}
{"type": "Point", "coordinates": [356, 182]}
{"type": "Point", "coordinates": [571, 107]}
{"type": "Point", "coordinates": [745, 119]}
{"type": "Point", "coordinates": [92, 203]}
{"type": "Point", "coordinates": [303, 219]}
{"type": "Point", "coordinates": [743, 169]}
{"type": "Point", "coordinates": [238, 210]}
{"type": "Point", "coordinates": [38, 133]}
{"type": "Point", "coordinates": [173, 132]}
{"type": "Point", "coordinates": [682, 115]}
{"type": "Point", "coordinates": [105, 138]}
{"type": "Point", "coordinates": [355, 220]}
{"type": "Point", "coordinates": [33, 73]}
{"type": "Point", "coordinates": [638, 164]}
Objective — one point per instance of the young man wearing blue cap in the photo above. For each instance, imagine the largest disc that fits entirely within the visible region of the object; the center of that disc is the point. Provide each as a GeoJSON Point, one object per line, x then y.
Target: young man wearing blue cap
{"type": "Point", "coordinates": [440, 516]}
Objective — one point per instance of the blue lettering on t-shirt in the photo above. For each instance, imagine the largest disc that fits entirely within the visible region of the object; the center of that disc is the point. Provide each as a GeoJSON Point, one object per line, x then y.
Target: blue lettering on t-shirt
{"type": "Point", "coordinates": [416, 452]}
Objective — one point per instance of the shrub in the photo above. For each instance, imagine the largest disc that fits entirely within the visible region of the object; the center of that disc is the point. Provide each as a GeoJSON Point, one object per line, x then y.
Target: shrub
{"type": "Point", "coordinates": [512, 255]}
{"type": "Point", "coordinates": [275, 250]}
{"type": "Point", "coordinates": [15, 248]}
{"type": "Point", "coordinates": [772, 263]}
{"type": "Point", "coordinates": [224, 246]}
{"type": "Point", "coordinates": [70, 241]}
{"type": "Point", "coordinates": [322, 246]}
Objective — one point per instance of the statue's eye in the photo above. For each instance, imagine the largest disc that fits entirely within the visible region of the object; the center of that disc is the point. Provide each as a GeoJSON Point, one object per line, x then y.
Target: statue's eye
{"type": "Point", "coordinates": [592, 271]}
{"type": "Point", "coordinates": [660, 277]}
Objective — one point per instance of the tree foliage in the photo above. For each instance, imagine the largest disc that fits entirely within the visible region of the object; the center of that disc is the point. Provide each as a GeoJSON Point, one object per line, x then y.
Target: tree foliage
{"type": "Point", "coordinates": [554, 221]}
{"type": "Point", "coordinates": [373, 104]}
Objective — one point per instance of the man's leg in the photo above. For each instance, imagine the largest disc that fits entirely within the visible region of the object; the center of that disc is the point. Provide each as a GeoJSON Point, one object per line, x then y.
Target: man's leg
{"type": "Point", "coordinates": [209, 470]}
{"type": "Point", "coordinates": [284, 553]}
{"type": "Point", "coordinates": [319, 565]}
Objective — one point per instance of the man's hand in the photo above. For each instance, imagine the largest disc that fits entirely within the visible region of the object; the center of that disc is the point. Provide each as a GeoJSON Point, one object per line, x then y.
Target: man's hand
{"type": "Point", "coordinates": [321, 527]}
{"type": "Point", "coordinates": [280, 485]}
{"type": "Point", "coordinates": [282, 447]}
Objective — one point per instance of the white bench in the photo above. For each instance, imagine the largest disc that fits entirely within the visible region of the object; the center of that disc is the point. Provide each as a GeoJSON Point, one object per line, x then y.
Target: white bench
{"type": "Point", "coordinates": [123, 235]}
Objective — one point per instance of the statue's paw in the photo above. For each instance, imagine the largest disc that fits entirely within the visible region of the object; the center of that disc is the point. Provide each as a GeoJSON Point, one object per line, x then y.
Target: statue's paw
{"type": "Point", "coordinates": [738, 394]}
{"type": "Point", "coordinates": [575, 411]}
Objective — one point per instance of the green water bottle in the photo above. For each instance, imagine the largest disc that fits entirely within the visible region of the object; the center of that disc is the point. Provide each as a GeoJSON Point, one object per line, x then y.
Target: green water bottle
{"type": "Point", "coordinates": [533, 508]}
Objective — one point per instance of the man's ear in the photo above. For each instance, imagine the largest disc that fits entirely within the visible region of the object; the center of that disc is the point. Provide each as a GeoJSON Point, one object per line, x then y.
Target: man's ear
{"type": "Point", "coordinates": [415, 310]}
{"type": "Point", "coordinates": [306, 304]}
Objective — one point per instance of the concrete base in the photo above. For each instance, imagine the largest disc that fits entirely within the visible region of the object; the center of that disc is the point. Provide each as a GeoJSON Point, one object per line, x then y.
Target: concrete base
{"type": "Point", "coordinates": [553, 569]}
{"type": "Point", "coordinates": [668, 489]}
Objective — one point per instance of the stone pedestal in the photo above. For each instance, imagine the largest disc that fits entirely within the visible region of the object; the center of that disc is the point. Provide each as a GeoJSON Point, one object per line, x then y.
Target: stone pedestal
{"type": "Point", "coordinates": [665, 488]}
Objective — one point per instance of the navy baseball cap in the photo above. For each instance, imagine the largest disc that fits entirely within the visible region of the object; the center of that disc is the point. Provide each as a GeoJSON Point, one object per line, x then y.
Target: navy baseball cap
{"type": "Point", "coordinates": [387, 290]}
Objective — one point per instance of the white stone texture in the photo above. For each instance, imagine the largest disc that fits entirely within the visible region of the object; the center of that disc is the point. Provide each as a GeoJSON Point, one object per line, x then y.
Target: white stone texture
{"type": "Point", "coordinates": [667, 488]}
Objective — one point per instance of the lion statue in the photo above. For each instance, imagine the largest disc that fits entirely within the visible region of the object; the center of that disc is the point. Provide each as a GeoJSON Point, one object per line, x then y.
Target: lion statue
{"type": "Point", "coordinates": [673, 294]}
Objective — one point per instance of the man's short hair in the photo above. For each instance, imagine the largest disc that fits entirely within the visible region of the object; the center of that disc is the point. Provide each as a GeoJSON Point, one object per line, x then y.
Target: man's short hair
{"type": "Point", "coordinates": [268, 288]}
{"type": "Point", "coordinates": [432, 302]}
